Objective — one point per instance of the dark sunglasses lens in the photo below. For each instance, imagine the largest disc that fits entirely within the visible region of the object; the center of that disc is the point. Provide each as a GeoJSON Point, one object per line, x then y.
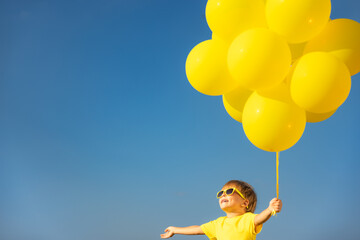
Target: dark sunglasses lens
{"type": "Point", "coordinates": [230, 191]}
{"type": "Point", "coordinates": [220, 194]}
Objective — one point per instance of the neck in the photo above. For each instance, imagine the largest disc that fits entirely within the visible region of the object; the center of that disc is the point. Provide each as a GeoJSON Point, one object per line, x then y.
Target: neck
{"type": "Point", "coordinates": [235, 214]}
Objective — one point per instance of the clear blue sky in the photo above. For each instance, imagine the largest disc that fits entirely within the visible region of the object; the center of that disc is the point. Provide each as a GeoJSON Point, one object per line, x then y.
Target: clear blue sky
{"type": "Point", "coordinates": [102, 136]}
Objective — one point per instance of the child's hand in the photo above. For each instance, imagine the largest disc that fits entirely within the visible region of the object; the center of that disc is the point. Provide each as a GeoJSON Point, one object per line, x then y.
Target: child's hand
{"type": "Point", "coordinates": [275, 205]}
{"type": "Point", "coordinates": [169, 232]}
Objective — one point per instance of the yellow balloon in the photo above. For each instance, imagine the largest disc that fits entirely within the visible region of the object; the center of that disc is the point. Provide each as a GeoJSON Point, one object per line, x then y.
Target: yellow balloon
{"type": "Point", "coordinates": [297, 50]}
{"type": "Point", "coordinates": [271, 121]}
{"type": "Point", "coordinates": [290, 74]}
{"type": "Point", "coordinates": [341, 37]}
{"type": "Point", "coordinates": [229, 18]}
{"type": "Point", "coordinates": [206, 68]}
{"type": "Point", "coordinates": [318, 117]}
{"type": "Point", "coordinates": [234, 102]}
{"type": "Point", "coordinates": [320, 82]}
{"type": "Point", "coordinates": [297, 20]}
{"type": "Point", "coordinates": [259, 58]}
{"type": "Point", "coordinates": [217, 38]}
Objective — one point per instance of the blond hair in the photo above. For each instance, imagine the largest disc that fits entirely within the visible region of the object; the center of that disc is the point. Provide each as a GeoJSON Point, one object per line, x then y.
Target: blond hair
{"type": "Point", "coordinates": [247, 190]}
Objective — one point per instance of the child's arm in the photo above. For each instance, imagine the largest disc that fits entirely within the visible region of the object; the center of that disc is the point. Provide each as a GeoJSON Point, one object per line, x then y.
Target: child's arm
{"type": "Point", "coordinates": [275, 204]}
{"type": "Point", "coordinates": [192, 230]}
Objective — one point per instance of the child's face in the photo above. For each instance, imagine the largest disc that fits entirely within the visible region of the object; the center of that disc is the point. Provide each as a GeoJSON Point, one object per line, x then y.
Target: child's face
{"type": "Point", "coordinates": [232, 203]}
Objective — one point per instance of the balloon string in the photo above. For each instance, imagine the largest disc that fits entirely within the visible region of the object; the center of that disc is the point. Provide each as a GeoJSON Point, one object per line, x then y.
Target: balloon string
{"type": "Point", "coordinates": [277, 180]}
{"type": "Point", "coordinates": [277, 174]}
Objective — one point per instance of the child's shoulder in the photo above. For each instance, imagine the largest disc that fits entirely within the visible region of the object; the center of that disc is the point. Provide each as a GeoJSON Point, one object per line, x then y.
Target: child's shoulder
{"type": "Point", "coordinates": [220, 219]}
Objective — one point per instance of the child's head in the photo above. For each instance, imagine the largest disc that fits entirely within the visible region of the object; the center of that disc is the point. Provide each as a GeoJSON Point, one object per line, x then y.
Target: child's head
{"type": "Point", "coordinates": [247, 192]}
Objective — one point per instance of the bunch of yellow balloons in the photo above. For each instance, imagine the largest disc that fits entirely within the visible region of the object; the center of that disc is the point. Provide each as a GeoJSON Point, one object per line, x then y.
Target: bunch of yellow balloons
{"type": "Point", "coordinates": [278, 64]}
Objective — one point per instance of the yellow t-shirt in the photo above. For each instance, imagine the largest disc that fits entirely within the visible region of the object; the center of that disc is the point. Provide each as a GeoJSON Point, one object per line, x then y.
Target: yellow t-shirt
{"type": "Point", "coordinates": [236, 228]}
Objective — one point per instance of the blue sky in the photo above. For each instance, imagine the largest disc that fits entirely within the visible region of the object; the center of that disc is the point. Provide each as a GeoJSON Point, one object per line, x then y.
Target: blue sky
{"type": "Point", "coordinates": [102, 136]}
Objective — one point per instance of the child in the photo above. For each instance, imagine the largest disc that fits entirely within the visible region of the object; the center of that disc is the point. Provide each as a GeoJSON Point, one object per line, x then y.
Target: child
{"type": "Point", "coordinates": [238, 200]}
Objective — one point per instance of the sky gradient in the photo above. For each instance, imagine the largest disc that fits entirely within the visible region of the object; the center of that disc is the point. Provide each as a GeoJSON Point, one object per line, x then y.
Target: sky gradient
{"type": "Point", "coordinates": [102, 136]}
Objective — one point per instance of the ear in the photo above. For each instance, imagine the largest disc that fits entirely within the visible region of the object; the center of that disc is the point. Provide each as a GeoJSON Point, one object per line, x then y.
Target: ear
{"type": "Point", "coordinates": [246, 203]}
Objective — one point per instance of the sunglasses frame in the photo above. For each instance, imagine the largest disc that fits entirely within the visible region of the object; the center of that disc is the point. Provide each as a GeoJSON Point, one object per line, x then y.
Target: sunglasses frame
{"type": "Point", "coordinates": [235, 190]}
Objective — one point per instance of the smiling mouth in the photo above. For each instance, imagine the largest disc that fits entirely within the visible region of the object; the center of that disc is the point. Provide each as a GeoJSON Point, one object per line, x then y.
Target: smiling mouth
{"type": "Point", "coordinates": [224, 200]}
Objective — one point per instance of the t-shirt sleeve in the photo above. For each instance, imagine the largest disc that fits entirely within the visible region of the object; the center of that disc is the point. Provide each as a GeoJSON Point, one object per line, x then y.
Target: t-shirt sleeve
{"type": "Point", "coordinates": [209, 229]}
{"type": "Point", "coordinates": [253, 229]}
{"type": "Point", "coordinates": [247, 223]}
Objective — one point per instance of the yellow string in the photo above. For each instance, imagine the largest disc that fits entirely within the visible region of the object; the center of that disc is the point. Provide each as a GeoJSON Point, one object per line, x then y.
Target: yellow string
{"type": "Point", "coordinates": [277, 180]}
{"type": "Point", "coordinates": [277, 174]}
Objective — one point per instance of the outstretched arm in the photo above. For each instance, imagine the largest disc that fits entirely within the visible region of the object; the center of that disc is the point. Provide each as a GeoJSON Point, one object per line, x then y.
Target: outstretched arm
{"type": "Point", "coordinates": [274, 205]}
{"type": "Point", "coordinates": [191, 230]}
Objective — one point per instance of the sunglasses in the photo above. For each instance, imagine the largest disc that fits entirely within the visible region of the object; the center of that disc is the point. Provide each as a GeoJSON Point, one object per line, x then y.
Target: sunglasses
{"type": "Point", "coordinates": [229, 191]}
